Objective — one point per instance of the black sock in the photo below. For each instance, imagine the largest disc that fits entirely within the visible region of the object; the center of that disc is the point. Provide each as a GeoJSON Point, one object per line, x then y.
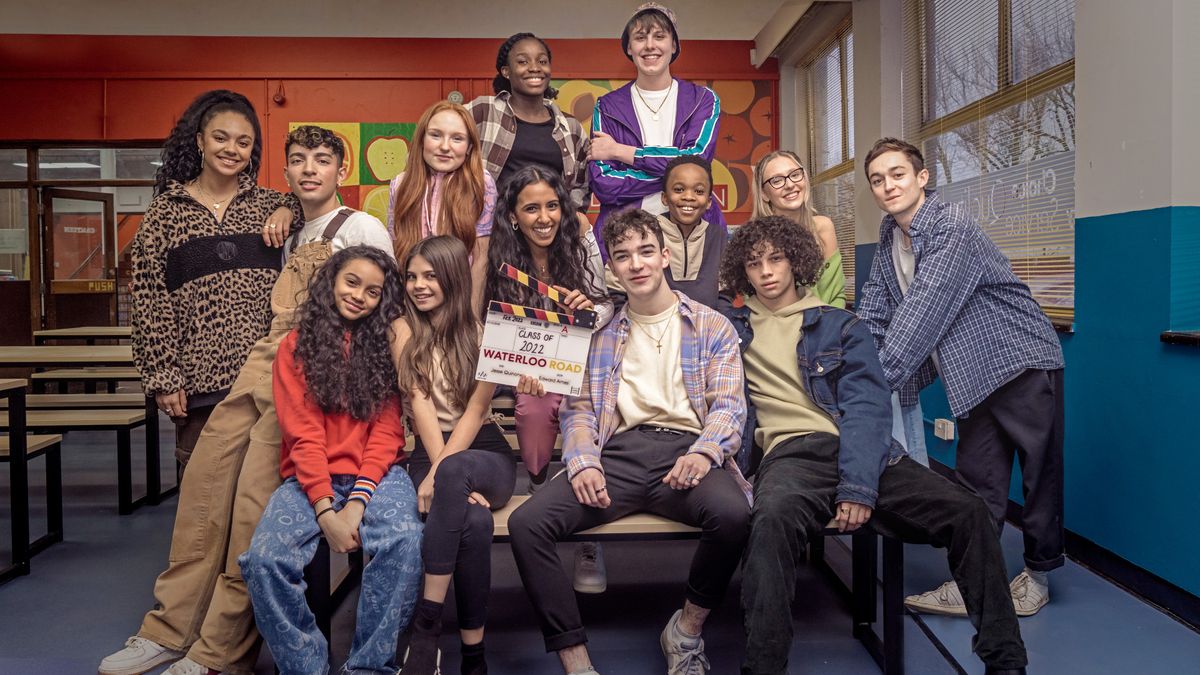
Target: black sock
{"type": "Point", "coordinates": [429, 616]}
{"type": "Point", "coordinates": [473, 662]}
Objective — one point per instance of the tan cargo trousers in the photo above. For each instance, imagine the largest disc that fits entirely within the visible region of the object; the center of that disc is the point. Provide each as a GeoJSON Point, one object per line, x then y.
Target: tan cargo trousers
{"type": "Point", "coordinates": [201, 603]}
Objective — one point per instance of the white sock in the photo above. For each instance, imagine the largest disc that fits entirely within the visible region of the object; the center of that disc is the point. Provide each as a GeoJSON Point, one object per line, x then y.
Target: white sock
{"type": "Point", "coordinates": [1040, 578]}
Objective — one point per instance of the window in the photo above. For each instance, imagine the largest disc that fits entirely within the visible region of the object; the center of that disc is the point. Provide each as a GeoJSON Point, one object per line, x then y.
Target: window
{"type": "Point", "coordinates": [830, 83]}
{"type": "Point", "coordinates": [996, 122]}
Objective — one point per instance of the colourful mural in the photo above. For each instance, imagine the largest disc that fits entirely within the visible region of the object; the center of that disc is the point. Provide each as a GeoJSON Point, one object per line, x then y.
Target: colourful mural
{"type": "Point", "coordinates": [377, 152]}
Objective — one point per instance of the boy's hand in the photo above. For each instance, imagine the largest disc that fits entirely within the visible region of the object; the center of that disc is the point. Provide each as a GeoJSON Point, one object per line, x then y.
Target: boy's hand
{"type": "Point", "coordinates": [605, 148]}
{"type": "Point", "coordinates": [531, 386]}
{"type": "Point", "coordinates": [340, 538]}
{"type": "Point", "coordinates": [688, 471]}
{"type": "Point", "coordinates": [590, 489]}
{"type": "Point", "coordinates": [850, 516]}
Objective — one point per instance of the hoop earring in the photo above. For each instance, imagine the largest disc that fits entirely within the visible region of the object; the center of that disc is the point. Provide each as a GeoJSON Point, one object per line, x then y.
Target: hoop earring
{"type": "Point", "coordinates": [514, 224]}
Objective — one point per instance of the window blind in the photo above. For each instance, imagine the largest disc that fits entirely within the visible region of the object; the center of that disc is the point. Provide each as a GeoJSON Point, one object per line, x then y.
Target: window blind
{"type": "Point", "coordinates": [995, 118]}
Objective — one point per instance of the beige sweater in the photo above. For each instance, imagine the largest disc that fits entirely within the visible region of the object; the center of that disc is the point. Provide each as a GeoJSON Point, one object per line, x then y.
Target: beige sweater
{"type": "Point", "coordinates": [784, 408]}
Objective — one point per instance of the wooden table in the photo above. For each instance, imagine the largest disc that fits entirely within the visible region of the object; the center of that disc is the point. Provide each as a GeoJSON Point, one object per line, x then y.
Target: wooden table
{"type": "Point", "coordinates": [66, 355]}
{"type": "Point", "coordinates": [89, 334]}
{"type": "Point", "coordinates": [95, 355]}
{"type": "Point", "coordinates": [14, 392]}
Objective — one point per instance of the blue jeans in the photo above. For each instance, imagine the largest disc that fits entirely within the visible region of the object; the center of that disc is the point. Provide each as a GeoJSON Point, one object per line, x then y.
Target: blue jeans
{"type": "Point", "coordinates": [286, 540]}
{"type": "Point", "coordinates": [908, 427]}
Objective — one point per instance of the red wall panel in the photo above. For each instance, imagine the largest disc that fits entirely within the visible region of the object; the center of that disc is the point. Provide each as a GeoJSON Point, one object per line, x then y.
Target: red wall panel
{"type": "Point", "coordinates": [64, 109]}
{"type": "Point", "coordinates": [139, 109]}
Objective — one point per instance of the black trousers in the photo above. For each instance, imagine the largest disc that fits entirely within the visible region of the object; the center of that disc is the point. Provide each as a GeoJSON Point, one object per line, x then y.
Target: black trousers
{"type": "Point", "coordinates": [458, 535]}
{"type": "Point", "coordinates": [1023, 416]}
{"type": "Point", "coordinates": [634, 463]}
{"type": "Point", "coordinates": [793, 500]}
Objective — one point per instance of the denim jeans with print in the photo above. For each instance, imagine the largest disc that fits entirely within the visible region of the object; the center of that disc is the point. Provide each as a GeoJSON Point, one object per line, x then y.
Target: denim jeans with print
{"type": "Point", "coordinates": [286, 540]}
{"type": "Point", "coordinates": [908, 427]}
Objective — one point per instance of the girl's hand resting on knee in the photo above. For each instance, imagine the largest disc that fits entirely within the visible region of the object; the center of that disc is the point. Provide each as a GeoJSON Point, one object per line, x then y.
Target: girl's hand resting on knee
{"type": "Point", "coordinates": [341, 537]}
{"type": "Point", "coordinates": [425, 494]}
{"type": "Point", "coordinates": [476, 498]}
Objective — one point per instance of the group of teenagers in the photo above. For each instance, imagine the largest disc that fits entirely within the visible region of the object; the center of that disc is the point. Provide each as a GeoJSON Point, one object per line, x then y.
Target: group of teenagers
{"type": "Point", "coordinates": [296, 343]}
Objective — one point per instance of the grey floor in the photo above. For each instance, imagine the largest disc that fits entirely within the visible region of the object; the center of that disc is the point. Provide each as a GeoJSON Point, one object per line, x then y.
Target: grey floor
{"type": "Point", "coordinates": [88, 593]}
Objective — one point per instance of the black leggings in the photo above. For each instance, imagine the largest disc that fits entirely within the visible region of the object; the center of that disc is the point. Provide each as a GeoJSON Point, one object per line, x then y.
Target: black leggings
{"type": "Point", "coordinates": [458, 535]}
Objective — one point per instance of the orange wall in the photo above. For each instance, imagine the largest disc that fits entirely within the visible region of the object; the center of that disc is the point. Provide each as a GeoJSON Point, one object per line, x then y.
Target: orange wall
{"type": "Point", "coordinates": [115, 88]}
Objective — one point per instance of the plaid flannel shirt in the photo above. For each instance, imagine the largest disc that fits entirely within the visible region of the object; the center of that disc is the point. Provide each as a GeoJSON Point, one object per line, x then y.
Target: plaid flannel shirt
{"type": "Point", "coordinates": [712, 375]}
{"type": "Point", "coordinates": [498, 131]}
{"type": "Point", "coordinates": [964, 301]}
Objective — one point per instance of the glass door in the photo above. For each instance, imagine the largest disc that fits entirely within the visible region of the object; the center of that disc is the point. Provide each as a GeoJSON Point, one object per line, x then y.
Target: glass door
{"type": "Point", "coordinates": [79, 284]}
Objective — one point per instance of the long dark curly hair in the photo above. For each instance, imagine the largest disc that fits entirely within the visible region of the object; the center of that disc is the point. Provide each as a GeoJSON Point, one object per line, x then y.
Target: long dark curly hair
{"type": "Point", "coordinates": [361, 381]}
{"type": "Point", "coordinates": [180, 156]}
{"type": "Point", "coordinates": [798, 245]}
{"type": "Point", "coordinates": [567, 257]}
{"type": "Point", "coordinates": [500, 82]}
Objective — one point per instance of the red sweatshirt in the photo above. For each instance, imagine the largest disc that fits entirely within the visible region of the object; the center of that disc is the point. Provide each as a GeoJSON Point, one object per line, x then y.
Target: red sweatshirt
{"type": "Point", "coordinates": [317, 445]}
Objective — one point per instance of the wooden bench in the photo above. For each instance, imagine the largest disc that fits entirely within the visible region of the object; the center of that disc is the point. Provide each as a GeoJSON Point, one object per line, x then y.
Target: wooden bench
{"type": "Point", "coordinates": [888, 653]}
{"type": "Point", "coordinates": [23, 548]}
{"type": "Point", "coordinates": [123, 422]}
{"type": "Point", "coordinates": [83, 401]}
{"type": "Point", "coordinates": [89, 376]}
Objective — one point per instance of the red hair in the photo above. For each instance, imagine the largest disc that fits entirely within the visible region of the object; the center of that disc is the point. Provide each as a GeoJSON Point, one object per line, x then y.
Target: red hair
{"type": "Point", "coordinates": [462, 193]}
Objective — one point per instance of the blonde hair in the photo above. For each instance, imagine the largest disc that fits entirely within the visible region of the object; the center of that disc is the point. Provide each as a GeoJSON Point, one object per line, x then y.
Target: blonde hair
{"type": "Point", "coordinates": [762, 207]}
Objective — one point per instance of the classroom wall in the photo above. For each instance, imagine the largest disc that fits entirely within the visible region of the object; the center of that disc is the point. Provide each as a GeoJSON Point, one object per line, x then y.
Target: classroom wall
{"type": "Point", "coordinates": [1132, 430]}
{"type": "Point", "coordinates": [119, 88]}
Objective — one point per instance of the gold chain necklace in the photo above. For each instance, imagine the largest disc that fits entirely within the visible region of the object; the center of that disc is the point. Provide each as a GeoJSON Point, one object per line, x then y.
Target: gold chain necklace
{"type": "Point", "coordinates": [216, 203]}
{"type": "Point", "coordinates": [653, 111]}
{"type": "Point", "coordinates": [657, 340]}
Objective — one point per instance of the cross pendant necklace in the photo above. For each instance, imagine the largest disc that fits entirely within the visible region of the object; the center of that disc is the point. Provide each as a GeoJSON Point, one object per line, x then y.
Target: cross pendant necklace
{"type": "Point", "coordinates": [657, 340]}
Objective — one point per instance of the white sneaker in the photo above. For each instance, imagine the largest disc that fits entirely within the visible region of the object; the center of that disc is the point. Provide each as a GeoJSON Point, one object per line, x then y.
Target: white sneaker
{"type": "Point", "coordinates": [685, 656]}
{"type": "Point", "coordinates": [186, 666]}
{"type": "Point", "coordinates": [1028, 595]}
{"type": "Point", "coordinates": [138, 656]}
{"type": "Point", "coordinates": [590, 575]}
{"type": "Point", "coordinates": [945, 600]}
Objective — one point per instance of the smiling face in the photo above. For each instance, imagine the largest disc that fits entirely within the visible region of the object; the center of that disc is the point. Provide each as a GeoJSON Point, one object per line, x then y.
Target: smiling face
{"type": "Point", "coordinates": [638, 261]}
{"type": "Point", "coordinates": [421, 284]}
{"type": "Point", "coordinates": [528, 68]}
{"type": "Point", "coordinates": [446, 143]}
{"type": "Point", "coordinates": [357, 289]}
{"type": "Point", "coordinates": [538, 213]}
{"type": "Point", "coordinates": [898, 190]}
{"type": "Point", "coordinates": [784, 185]}
{"type": "Point", "coordinates": [313, 174]}
{"type": "Point", "coordinates": [650, 47]}
{"type": "Point", "coordinates": [770, 273]}
{"type": "Point", "coordinates": [687, 194]}
{"type": "Point", "coordinates": [226, 143]}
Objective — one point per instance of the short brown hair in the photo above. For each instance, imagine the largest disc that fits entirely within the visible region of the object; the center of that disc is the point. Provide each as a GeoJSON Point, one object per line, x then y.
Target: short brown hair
{"type": "Point", "coordinates": [890, 144]}
{"type": "Point", "coordinates": [631, 222]}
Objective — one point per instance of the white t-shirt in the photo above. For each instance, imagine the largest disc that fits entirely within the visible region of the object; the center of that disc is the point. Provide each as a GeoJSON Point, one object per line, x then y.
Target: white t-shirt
{"type": "Point", "coordinates": [652, 389]}
{"type": "Point", "coordinates": [359, 228]}
{"type": "Point", "coordinates": [906, 269]}
{"type": "Point", "coordinates": [656, 132]}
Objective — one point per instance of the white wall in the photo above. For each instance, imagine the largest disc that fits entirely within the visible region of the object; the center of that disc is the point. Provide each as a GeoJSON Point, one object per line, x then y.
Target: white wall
{"type": "Point", "coordinates": [1138, 99]}
{"type": "Point", "coordinates": [697, 19]}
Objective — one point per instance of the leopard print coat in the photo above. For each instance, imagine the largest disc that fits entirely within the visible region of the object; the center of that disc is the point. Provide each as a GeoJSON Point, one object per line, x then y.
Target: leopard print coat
{"type": "Point", "coordinates": [201, 289]}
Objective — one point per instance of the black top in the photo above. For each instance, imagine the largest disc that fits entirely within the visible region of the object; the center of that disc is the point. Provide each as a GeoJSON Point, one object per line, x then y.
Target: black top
{"type": "Point", "coordinates": [534, 144]}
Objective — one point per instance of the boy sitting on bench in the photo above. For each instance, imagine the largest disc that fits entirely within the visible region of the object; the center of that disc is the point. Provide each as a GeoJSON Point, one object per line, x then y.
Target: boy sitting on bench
{"type": "Point", "coordinates": [818, 427]}
{"type": "Point", "coordinates": [655, 429]}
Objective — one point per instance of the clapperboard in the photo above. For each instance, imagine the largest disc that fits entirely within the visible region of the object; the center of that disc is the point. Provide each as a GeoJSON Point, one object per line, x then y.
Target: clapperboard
{"type": "Point", "coordinates": [519, 340]}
